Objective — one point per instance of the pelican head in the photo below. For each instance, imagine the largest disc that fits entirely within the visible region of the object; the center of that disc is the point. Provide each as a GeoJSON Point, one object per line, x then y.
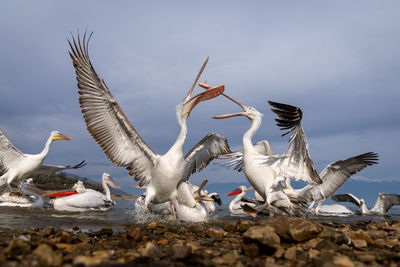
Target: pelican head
{"type": "Point", "coordinates": [108, 180]}
{"type": "Point", "coordinates": [79, 187]}
{"type": "Point", "coordinates": [55, 135]}
{"type": "Point", "coordinates": [251, 113]}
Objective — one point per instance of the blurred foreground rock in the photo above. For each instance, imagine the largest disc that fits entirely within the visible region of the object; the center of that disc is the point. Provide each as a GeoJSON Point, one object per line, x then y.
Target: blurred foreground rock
{"type": "Point", "coordinates": [281, 241]}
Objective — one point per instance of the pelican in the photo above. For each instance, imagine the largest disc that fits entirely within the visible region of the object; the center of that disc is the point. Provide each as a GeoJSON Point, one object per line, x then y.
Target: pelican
{"type": "Point", "coordinates": [382, 205]}
{"type": "Point", "coordinates": [122, 144]}
{"type": "Point", "coordinates": [16, 166]}
{"type": "Point", "coordinates": [235, 207]}
{"type": "Point", "coordinates": [31, 197]}
{"type": "Point", "coordinates": [266, 178]}
{"type": "Point", "coordinates": [330, 210]}
{"type": "Point", "coordinates": [87, 199]}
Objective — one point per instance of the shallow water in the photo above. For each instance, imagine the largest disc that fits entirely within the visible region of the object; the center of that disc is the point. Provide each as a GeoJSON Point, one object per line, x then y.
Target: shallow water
{"type": "Point", "coordinates": [122, 215]}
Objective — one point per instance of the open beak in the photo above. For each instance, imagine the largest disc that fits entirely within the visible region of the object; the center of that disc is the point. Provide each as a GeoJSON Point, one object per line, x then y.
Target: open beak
{"type": "Point", "coordinates": [213, 92]}
{"type": "Point", "coordinates": [207, 87]}
{"type": "Point", "coordinates": [60, 136]}
{"type": "Point", "coordinates": [234, 192]}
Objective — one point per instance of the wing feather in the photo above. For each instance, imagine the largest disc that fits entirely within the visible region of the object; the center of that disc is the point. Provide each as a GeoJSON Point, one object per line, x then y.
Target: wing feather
{"type": "Point", "coordinates": [47, 170]}
{"type": "Point", "coordinates": [335, 174]}
{"type": "Point", "coordinates": [296, 161]}
{"type": "Point", "coordinates": [105, 120]}
{"type": "Point", "coordinates": [8, 153]}
{"type": "Point", "coordinates": [203, 152]}
{"type": "Point", "coordinates": [346, 198]}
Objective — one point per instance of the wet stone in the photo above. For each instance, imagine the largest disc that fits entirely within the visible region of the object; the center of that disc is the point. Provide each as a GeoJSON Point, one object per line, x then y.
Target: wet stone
{"type": "Point", "coordinates": [264, 234]}
{"type": "Point", "coordinates": [343, 261]}
{"type": "Point", "coordinates": [47, 256]}
{"type": "Point", "coordinates": [182, 252]}
{"type": "Point", "coordinates": [294, 253]}
{"type": "Point", "coordinates": [102, 232]}
{"type": "Point", "coordinates": [359, 243]}
{"type": "Point", "coordinates": [47, 231]}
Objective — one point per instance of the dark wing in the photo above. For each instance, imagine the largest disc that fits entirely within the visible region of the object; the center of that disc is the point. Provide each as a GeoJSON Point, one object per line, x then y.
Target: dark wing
{"type": "Point", "coordinates": [8, 153]}
{"type": "Point", "coordinates": [346, 198]}
{"type": "Point", "coordinates": [47, 170]}
{"type": "Point", "coordinates": [106, 121]}
{"type": "Point", "coordinates": [296, 161]}
{"type": "Point", "coordinates": [335, 174]}
{"type": "Point", "coordinates": [203, 152]}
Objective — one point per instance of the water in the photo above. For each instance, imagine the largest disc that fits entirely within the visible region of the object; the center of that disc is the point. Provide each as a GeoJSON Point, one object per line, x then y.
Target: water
{"type": "Point", "coordinates": [122, 215]}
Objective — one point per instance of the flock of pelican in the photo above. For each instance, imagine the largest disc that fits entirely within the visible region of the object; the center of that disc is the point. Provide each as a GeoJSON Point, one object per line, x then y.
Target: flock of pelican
{"type": "Point", "coordinates": [165, 177]}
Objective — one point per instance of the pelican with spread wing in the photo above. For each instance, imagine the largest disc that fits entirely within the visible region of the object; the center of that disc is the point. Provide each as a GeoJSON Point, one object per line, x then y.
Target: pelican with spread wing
{"type": "Point", "coordinates": [16, 166]}
{"type": "Point", "coordinates": [266, 178]}
{"type": "Point", "coordinates": [122, 144]}
{"type": "Point", "coordinates": [382, 205]}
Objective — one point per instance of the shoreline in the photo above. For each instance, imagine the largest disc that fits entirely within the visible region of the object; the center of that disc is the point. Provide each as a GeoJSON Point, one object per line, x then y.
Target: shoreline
{"type": "Point", "coordinates": [279, 241]}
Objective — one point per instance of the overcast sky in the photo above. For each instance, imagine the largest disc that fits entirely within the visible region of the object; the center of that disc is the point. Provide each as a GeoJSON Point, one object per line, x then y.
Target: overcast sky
{"type": "Point", "coordinates": [339, 61]}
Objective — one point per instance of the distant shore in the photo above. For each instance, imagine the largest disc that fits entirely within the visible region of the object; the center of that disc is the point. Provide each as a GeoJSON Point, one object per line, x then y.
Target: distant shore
{"type": "Point", "coordinates": [280, 241]}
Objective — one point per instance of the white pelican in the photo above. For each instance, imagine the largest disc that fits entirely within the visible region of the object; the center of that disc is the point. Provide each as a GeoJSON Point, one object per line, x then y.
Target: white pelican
{"type": "Point", "coordinates": [382, 205]}
{"type": "Point", "coordinates": [266, 178]}
{"type": "Point", "coordinates": [235, 207]}
{"type": "Point", "coordinates": [31, 196]}
{"type": "Point", "coordinates": [330, 210]}
{"type": "Point", "coordinates": [16, 166]}
{"type": "Point", "coordinates": [87, 199]}
{"type": "Point", "coordinates": [122, 144]}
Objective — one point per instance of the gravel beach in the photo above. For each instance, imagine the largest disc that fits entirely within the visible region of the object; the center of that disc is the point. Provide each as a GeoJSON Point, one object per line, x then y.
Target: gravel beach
{"type": "Point", "coordinates": [280, 241]}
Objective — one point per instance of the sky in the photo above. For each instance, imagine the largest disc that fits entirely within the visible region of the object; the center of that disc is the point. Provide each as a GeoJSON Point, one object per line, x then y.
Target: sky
{"type": "Point", "coordinates": [339, 61]}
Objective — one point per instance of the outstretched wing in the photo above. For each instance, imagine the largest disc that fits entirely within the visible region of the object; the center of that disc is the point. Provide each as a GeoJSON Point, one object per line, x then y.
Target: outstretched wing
{"type": "Point", "coordinates": [8, 153]}
{"type": "Point", "coordinates": [105, 120]}
{"type": "Point", "coordinates": [203, 152]}
{"type": "Point", "coordinates": [236, 158]}
{"type": "Point", "coordinates": [335, 174]}
{"type": "Point", "coordinates": [47, 170]}
{"type": "Point", "coordinates": [386, 201]}
{"type": "Point", "coordinates": [346, 198]}
{"type": "Point", "coordinates": [296, 161]}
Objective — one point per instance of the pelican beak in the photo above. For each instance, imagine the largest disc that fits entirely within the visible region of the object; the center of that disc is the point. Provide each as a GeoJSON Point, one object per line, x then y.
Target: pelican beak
{"type": "Point", "coordinates": [60, 136]}
{"type": "Point", "coordinates": [206, 95]}
{"type": "Point", "coordinates": [34, 190]}
{"type": "Point", "coordinates": [234, 192]}
{"type": "Point", "coordinates": [140, 187]}
{"type": "Point", "coordinates": [249, 189]}
{"type": "Point", "coordinates": [203, 198]}
{"type": "Point", "coordinates": [112, 183]}
{"type": "Point", "coordinates": [244, 113]}
{"type": "Point", "coordinates": [61, 194]}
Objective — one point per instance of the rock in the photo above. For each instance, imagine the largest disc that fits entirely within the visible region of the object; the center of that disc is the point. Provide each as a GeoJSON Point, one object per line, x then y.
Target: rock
{"type": "Point", "coordinates": [243, 225]}
{"type": "Point", "coordinates": [152, 226]}
{"type": "Point", "coordinates": [251, 250]}
{"type": "Point", "coordinates": [47, 256]}
{"type": "Point", "coordinates": [365, 256]}
{"type": "Point", "coordinates": [86, 260]}
{"type": "Point", "coordinates": [279, 253]}
{"type": "Point", "coordinates": [65, 237]}
{"type": "Point", "coordinates": [359, 243]}
{"type": "Point", "coordinates": [149, 250]}
{"type": "Point", "coordinates": [230, 258]}
{"type": "Point", "coordinates": [47, 231]}
{"type": "Point", "coordinates": [135, 234]}
{"type": "Point", "coordinates": [377, 234]}
{"type": "Point", "coordinates": [302, 230]}
{"type": "Point", "coordinates": [213, 232]}
{"type": "Point", "coordinates": [343, 261]}
{"type": "Point", "coordinates": [326, 244]}
{"type": "Point", "coordinates": [334, 236]}
{"type": "Point", "coordinates": [312, 253]}
{"type": "Point", "coordinates": [102, 232]}
{"type": "Point", "coordinates": [264, 234]}
{"type": "Point", "coordinates": [182, 252]}
{"type": "Point", "coordinates": [294, 228]}
{"type": "Point", "coordinates": [18, 246]}
{"type": "Point", "coordinates": [360, 234]}
{"type": "Point", "coordinates": [295, 254]}
{"type": "Point", "coordinates": [104, 254]}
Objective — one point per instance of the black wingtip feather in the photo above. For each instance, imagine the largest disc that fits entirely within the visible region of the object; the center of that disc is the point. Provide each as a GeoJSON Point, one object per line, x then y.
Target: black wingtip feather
{"type": "Point", "coordinates": [289, 116]}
